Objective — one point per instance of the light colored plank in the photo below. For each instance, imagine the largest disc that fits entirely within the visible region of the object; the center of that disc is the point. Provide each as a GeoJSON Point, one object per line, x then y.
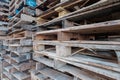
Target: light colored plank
{"type": "Point", "coordinates": [55, 75]}
{"type": "Point", "coordinates": [77, 72]}
{"type": "Point", "coordinates": [20, 75]}
{"type": "Point", "coordinates": [107, 73]}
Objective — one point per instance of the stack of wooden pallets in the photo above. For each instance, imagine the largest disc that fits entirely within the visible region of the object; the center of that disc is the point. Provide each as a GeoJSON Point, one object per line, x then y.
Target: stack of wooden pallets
{"type": "Point", "coordinates": [18, 43]}
{"type": "Point", "coordinates": [62, 40]}
{"type": "Point", "coordinates": [77, 40]}
{"type": "Point", "coordinates": [18, 58]}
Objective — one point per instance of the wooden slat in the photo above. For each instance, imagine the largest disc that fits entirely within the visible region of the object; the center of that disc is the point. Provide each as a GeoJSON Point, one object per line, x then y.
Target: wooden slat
{"type": "Point", "coordinates": [45, 61]}
{"type": "Point", "coordinates": [107, 26]}
{"type": "Point", "coordinates": [77, 72]}
{"type": "Point", "coordinates": [105, 45]}
{"type": "Point", "coordinates": [97, 62]}
{"type": "Point", "coordinates": [55, 75]}
{"type": "Point", "coordinates": [21, 75]}
{"type": "Point", "coordinates": [94, 62]}
{"type": "Point", "coordinates": [85, 12]}
{"type": "Point", "coordinates": [107, 73]}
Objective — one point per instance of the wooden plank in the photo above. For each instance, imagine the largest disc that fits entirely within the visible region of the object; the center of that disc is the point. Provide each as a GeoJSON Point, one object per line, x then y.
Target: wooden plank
{"type": "Point", "coordinates": [105, 45]}
{"type": "Point", "coordinates": [55, 75]}
{"type": "Point", "coordinates": [21, 75]}
{"type": "Point", "coordinates": [94, 46]}
{"type": "Point", "coordinates": [94, 62]}
{"type": "Point", "coordinates": [107, 73]}
{"type": "Point", "coordinates": [8, 68]}
{"type": "Point", "coordinates": [46, 53]}
{"type": "Point", "coordinates": [84, 29]}
{"type": "Point", "coordinates": [38, 77]}
{"type": "Point", "coordinates": [21, 58]}
{"type": "Point", "coordinates": [9, 76]}
{"type": "Point", "coordinates": [24, 65]}
{"type": "Point", "coordinates": [27, 18]}
{"type": "Point", "coordinates": [45, 61]}
{"type": "Point", "coordinates": [77, 72]}
{"type": "Point", "coordinates": [97, 62]}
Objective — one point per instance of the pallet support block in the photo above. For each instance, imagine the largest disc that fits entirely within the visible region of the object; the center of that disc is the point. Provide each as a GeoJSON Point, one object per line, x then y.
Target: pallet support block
{"type": "Point", "coordinates": [67, 23]}
{"type": "Point", "coordinates": [36, 55]}
{"type": "Point", "coordinates": [66, 36]}
{"type": "Point", "coordinates": [33, 77]}
{"type": "Point", "coordinates": [39, 47]}
{"type": "Point", "coordinates": [61, 11]}
{"type": "Point", "coordinates": [62, 51]}
{"type": "Point", "coordinates": [118, 56]}
{"type": "Point", "coordinates": [63, 36]}
{"type": "Point", "coordinates": [41, 20]}
{"type": "Point", "coordinates": [40, 66]}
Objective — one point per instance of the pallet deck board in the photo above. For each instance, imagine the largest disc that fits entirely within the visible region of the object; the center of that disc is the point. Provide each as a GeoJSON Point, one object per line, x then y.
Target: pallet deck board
{"type": "Point", "coordinates": [57, 75]}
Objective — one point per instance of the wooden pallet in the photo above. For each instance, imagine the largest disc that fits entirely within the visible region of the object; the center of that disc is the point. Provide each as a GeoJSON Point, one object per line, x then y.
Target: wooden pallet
{"type": "Point", "coordinates": [81, 18]}
{"type": "Point", "coordinates": [87, 11]}
{"type": "Point", "coordinates": [57, 48]}
{"type": "Point", "coordinates": [62, 9]}
{"type": "Point", "coordinates": [19, 34]}
{"type": "Point", "coordinates": [20, 55]}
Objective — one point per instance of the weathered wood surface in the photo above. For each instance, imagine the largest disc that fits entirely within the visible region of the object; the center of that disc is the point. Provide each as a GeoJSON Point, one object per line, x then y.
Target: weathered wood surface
{"type": "Point", "coordinates": [80, 16]}
{"type": "Point", "coordinates": [103, 27]}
